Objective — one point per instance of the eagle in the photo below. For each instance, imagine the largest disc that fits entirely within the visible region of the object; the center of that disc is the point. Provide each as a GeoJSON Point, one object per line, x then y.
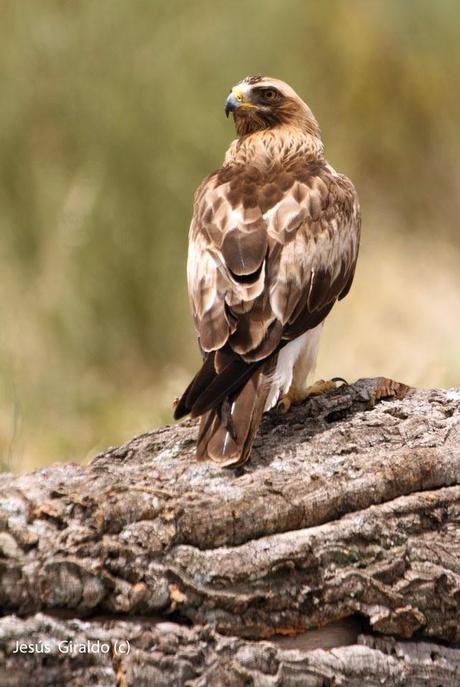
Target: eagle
{"type": "Point", "coordinates": [273, 244]}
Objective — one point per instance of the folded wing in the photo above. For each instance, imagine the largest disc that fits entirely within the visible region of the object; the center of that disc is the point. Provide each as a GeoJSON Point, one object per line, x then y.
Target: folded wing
{"type": "Point", "coordinates": [268, 258]}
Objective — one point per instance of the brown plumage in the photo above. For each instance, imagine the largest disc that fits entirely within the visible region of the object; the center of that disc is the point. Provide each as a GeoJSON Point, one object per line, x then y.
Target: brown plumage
{"type": "Point", "coordinates": [273, 244]}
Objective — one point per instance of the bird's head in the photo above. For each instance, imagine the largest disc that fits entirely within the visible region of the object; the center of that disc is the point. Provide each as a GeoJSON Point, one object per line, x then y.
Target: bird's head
{"type": "Point", "coordinates": [260, 102]}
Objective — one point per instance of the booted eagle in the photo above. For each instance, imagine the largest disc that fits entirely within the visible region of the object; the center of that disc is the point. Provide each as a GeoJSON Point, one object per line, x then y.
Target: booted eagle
{"type": "Point", "coordinates": [273, 245]}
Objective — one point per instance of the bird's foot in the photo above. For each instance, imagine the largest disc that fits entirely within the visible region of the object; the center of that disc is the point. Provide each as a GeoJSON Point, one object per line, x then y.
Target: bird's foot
{"type": "Point", "coordinates": [321, 386]}
{"type": "Point", "coordinates": [294, 397]}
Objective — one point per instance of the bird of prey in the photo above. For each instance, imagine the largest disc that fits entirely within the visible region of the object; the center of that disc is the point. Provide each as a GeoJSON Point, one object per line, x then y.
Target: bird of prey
{"type": "Point", "coordinates": [273, 245]}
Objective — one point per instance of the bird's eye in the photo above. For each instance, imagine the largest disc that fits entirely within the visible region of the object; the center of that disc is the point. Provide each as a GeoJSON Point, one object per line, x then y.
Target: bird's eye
{"type": "Point", "coordinates": [270, 94]}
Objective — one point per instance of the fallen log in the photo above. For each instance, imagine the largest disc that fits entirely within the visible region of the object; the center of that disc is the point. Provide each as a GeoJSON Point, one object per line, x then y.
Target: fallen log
{"type": "Point", "coordinates": [346, 518]}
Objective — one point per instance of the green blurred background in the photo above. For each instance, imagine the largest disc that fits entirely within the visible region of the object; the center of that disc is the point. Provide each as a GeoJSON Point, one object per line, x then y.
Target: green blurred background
{"type": "Point", "coordinates": [112, 112]}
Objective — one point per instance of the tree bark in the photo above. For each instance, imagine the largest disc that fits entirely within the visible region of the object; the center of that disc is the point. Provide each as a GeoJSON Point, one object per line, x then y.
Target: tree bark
{"type": "Point", "coordinates": [332, 557]}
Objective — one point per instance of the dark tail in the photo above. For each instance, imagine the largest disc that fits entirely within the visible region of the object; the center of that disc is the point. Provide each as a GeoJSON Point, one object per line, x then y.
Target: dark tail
{"type": "Point", "coordinates": [230, 396]}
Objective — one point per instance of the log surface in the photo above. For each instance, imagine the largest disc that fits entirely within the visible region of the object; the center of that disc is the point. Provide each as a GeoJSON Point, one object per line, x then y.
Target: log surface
{"type": "Point", "coordinates": [347, 513]}
{"type": "Point", "coordinates": [165, 654]}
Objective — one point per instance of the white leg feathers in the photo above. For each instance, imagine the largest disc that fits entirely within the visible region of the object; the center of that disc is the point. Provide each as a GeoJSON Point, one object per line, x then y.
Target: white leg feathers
{"type": "Point", "coordinates": [296, 361]}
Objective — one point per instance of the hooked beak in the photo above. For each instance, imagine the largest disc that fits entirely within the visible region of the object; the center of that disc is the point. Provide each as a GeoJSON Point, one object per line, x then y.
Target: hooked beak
{"type": "Point", "coordinates": [231, 104]}
{"type": "Point", "coordinates": [238, 98]}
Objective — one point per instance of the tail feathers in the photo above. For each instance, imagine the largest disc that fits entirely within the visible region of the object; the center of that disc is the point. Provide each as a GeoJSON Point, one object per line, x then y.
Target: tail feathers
{"type": "Point", "coordinates": [224, 384]}
{"type": "Point", "coordinates": [210, 387]}
{"type": "Point", "coordinates": [227, 433]}
{"type": "Point", "coordinates": [199, 383]}
{"type": "Point", "coordinates": [230, 395]}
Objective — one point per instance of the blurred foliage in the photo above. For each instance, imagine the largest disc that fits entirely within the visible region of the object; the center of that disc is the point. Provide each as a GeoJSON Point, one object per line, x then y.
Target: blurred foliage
{"type": "Point", "coordinates": [112, 113]}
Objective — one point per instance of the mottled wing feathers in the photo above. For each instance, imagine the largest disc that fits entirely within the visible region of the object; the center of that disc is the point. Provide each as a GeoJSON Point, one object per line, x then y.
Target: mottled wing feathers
{"type": "Point", "coordinates": [244, 249]}
{"type": "Point", "coordinates": [270, 253]}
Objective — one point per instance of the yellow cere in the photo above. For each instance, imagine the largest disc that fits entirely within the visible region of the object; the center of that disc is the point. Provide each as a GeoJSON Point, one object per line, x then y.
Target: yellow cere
{"type": "Point", "coordinates": [239, 94]}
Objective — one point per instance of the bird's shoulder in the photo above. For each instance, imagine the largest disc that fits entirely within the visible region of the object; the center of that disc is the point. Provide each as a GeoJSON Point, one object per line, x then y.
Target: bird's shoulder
{"type": "Point", "coordinates": [282, 193]}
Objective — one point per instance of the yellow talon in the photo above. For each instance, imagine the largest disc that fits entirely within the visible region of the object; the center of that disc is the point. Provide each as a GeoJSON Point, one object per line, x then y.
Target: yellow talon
{"type": "Point", "coordinates": [294, 397]}
{"type": "Point", "coordinates": [284, 404]}
{"type": "Point", "coordinates": [321, 386]}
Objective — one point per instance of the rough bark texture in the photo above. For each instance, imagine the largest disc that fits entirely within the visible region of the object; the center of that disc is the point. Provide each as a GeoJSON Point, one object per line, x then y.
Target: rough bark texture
{"type": "Point", "coordinates": [166, 654]}
{"type": "Point", "coordinates": [346, 519]}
